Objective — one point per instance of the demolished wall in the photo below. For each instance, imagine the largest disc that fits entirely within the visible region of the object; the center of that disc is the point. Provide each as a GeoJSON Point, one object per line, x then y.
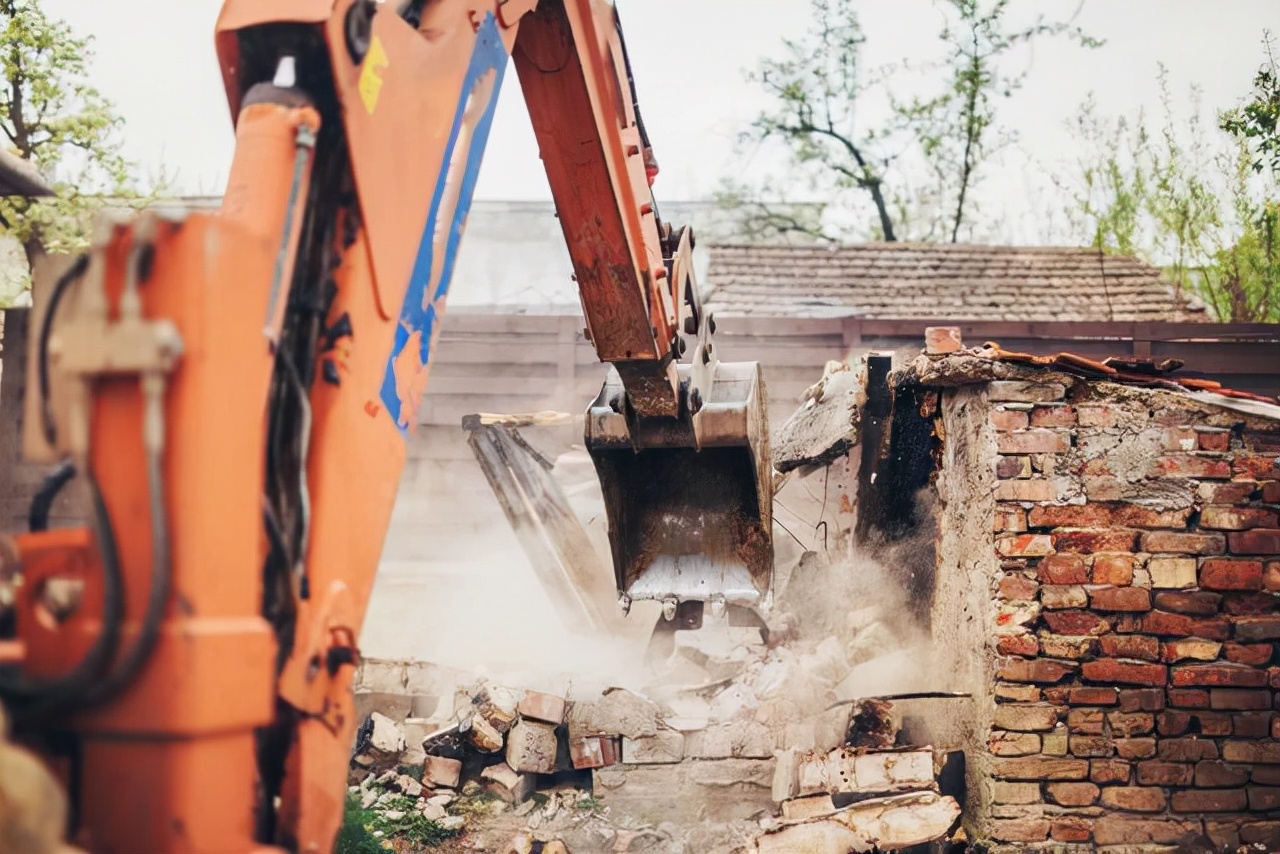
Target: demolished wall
{"type": "Point", "coordinates": [1108, 572]}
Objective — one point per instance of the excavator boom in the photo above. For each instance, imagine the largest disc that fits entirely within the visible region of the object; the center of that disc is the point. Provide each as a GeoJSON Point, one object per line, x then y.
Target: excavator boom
{"type": "Point", "coordinates": [238, 390]}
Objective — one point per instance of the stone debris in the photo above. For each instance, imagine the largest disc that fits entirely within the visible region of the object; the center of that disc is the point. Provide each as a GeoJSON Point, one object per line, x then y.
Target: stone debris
{"type": "Point", "coordinates": [386, 738]}
{"type": "Point", "coordinates": [512, 786]}
{"type": "Point", "coordinates": [532, 747]}
{"type": "Point", "coordinates": [442, 771]}
{"type": "Point", "coordinates": [881, 824]}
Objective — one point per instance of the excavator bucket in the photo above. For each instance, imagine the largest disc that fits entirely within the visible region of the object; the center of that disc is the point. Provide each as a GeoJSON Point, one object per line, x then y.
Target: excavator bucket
{"type": "Point", "coordinates": [689, 499]}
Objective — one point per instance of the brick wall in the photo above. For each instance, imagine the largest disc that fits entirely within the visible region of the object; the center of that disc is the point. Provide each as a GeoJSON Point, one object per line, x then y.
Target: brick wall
{"type": "Point", "coordinates": [1126, 598]}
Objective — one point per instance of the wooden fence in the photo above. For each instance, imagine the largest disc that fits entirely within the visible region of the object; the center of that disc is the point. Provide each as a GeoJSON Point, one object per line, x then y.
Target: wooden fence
{"type": "Point", "coordinates": [521, 363]}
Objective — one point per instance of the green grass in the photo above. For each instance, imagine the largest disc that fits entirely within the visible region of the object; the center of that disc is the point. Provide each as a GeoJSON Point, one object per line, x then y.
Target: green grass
{"type": "Point", "coordinates": [354, 836]}
{"type": "Point", "coordinates": [358, 826]}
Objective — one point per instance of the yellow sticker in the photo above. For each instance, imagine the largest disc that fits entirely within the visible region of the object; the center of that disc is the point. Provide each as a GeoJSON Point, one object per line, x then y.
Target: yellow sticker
{"type": "Point", "coordinates": [370, 83]}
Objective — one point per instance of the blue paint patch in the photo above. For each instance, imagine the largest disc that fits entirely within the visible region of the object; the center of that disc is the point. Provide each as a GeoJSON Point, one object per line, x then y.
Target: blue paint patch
{"type": "Point", "coordinates": [418, 313]}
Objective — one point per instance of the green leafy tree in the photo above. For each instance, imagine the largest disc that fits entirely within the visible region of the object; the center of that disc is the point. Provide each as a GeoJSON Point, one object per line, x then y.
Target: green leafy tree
{"type": "Point", "coordinates": [1203, 206]}
{"type": "Point", "coordinates": [918, 168]}
{"type": "Point", "coordinates": [54, 117]}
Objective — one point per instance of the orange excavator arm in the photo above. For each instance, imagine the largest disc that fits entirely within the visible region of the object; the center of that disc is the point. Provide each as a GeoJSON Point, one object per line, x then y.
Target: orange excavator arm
{"type": "Point", "coordinates": [238, 389]}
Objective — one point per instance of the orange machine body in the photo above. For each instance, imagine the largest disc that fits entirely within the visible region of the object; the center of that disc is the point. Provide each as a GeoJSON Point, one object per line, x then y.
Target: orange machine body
{"type": "Point", "coordinates": [308, 307]}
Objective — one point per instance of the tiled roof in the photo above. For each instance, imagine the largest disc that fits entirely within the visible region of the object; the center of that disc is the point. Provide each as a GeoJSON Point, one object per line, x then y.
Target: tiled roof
{"type": "Point", "coordinates": [941, 281]}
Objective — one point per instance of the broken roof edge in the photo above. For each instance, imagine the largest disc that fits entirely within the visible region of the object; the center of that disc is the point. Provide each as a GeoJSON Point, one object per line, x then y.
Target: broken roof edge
{"type": "Point", "coordinates": [977, 366]}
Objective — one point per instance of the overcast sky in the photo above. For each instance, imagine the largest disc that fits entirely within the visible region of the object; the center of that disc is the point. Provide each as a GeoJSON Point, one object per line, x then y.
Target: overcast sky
{"type": "Point", "coordinates": [155, 60]}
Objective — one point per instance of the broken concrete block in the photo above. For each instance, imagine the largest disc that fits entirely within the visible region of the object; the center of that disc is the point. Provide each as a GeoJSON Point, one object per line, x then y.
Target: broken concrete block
{"type": "Point", "coordinates": [483, 735]}
{"type": "Point", "coordinates": [386, 677]}
{"type": "Point", "coordinates": [386, 738]}
{"type": "Point", "coordinates": [408, 785]}
{"type": "Point", "coordinates": [618, 712]}
{"type": "Point", "coordinates": [714, 742]}
{"type": "Point", "coordinates": [435, 812]}
{"type": "Point", "coordinates": [942, 339]}
{"type": "Point", "coordinates": [785, 775]}
{"type": "Point", "coordinates": [512, 787]}
{"type": "Point", "coordinates": [594, 751]}
{"type": "Point", "coordinates": [824, 835]}
{"type": "Point", "coordinates": [721, 790]}
{"type": "Point", "coordinates": [415, 730]}
{"type": "Point", "coordinates": [497, 705]}
{"type": "Point", "coordinates": [442, 771]}
{"type": "Point", "coordinates": [750, 739]}
{"type": "Point", "coordinates": [547, 708]}
{"type": "Point", "coordinates": [812, 806]}
{"type": "Point", "coordinates": [531, 747]}
{"type": "Point", "coordinates": [666, 745]}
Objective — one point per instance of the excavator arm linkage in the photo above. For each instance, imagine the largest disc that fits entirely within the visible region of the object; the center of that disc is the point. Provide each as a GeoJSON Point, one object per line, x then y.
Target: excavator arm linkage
{"type": "Point", "coordinates": [238, 389]}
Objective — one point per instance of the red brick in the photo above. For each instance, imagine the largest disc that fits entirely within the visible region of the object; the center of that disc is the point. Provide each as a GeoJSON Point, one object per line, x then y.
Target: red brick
{"type": "Point", "coordinates": [1228, 493]}
{"type": "Point", "coordinates": [1268, 775]}
{"type": "Point", "coordinates": [1101, 514]}
{"type": "Point", "coordinates": [1002, 743]}
{"type": "Point", "coordinates": [1172, 723]}
{"type": "Point", "coordinates": [1265, 441]}
{"type": "Point", "coordinates": [1062, 569]}
{"type": "Point", "coordinates": [1251, 724]}
{"type": "Point", "coordinates": [1259, 541]}
{"type": "Point", "coordinates": [1130, 646]}
{"type": "Point", "coordinates": [1090, 746]}
{"type": "Point", "coordinates": [1254, 654]}
{"type": "Point", "coordinates": [1180, 439]}
{"type": "Point", "coordinates": [1033, 441]}
{"type": "Point", "coordinates": [1225, 675]}
{"type": "Point", "coordinates": [1216, 774]}
{"type": "Point", "coordinates": [1211, 628]}
{"type": "Point", "coordinates": [1183, 543]}
{"type": "Point", "coordinates": [1026, 489]}
{"type": "Point", "coordinates": [1032, 717]}
{"type": "Point", "coordinates": [1053, 416]}
{"type": "Point", "coordinates": [1135, 748]}
{"type": "Point", "coordinates": [1163, 623]}
{"type": "Point", "coordinates": [1188, 698]}
{"type": "Point", "coordinates": [1040, 768]}
{"type": "Point", "coordinates": [1104, 771]}
{"type": "Point", "coordinates": [1017, 645]}
{"type": "Point", "coordinates": [1263, 833]}
{"type": "Point", "coordinates": [1258, 468]}
{"type": "Point", "coordinates": [1189, 465]}
{"type": "Point", "coordinates": [1222, 574]}
{"type": "Point", "coordinates": [1008, 419]}
{"type": "Point", "coordinates": [1131, 830]}
{"type": "Point", "coordinates": [1156, 772]}
{"type": "Point", "coordinates": [1091, 540]}
{"type": "Point", "coordinates": [1071, 829]}
{"type": "Point", "coordinates": [1271, 492]}
{"type": "Point", "coordinates": [1141, 699]}
{"type": "Point", "coordinates": [1131, 723]}
{"type": "Point", "coordinates": [1134, 798]}
{"type": "Point", "coordinates": [1263, 799]}
{"type": "Point", "coordinates": [1214, 441]}
{"type": "Point", "coordinates": [1209, 800]}
{"type": "Point", "coordinates": [1008, 692]}
{"type": "Point", "coordinates": [1018, 588]}
{"type": "Point", "coordinates": [1194, 602]}
{"type": "Point", "coordinates": [1072, 794]}
{"type": "Point", "coordinates": [1189, 749]}
{"type": "Point", "coordinates": [1249, 604]}
{"type": "Point", "coordinates": [1078, 696]}
{"type": "Point", "coordinates": [1096, 415]}
{"type": "Point", "coordinates": [1010, 518]}
{"type": "Point", "coordinates": [1240, 698]}
{"type": "Point", "coordinates": [1076, 623]}
{"type": "Point", "coordinates": [1115, 671]}
{"type": "Point", "coordinates": [1271, 577]}
{"type": "Point", "coordinates": [1116, 570]}
{"type": "Point", "coordinates": [1261, 752]}
{"type": "Point", "coordinates": [1062, 597]}
{"type": "Point", "coordinates": [1009, 467]}
{"type": "Point", "coordinates": [1026, 829]}
{"type": "Point", "coordinates": [1041, 671]}
{"type": "Point", "coordinates": [1086, 721]}
{"type": "Point", "coordinates": [1120, 599]}
{"type": "Point", "coordinates": [1193, 649]}
{"type": "Point", "coordinates": [1068, 646]}
{"type": "Point", "coordinates": [1257, 628]}
{"type": "Point", "coordinates": [1224, 517]}
{"type": "Point", "coordinates": [1024, 545]}
{"type": "Point", "coordinates": [1211, 724]}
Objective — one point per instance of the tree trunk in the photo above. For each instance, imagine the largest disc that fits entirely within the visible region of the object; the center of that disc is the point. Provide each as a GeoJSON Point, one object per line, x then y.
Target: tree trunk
{"type": "Point", "coordinates": [13, 371]}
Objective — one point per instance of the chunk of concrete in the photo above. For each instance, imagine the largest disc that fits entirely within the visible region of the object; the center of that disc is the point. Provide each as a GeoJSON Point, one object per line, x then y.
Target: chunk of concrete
{"type": "Point", "coordinates": [618, 712]}
{"type": "Point", "coordinates": [785, 775]}
{"type": "Point", "coordinates": [386, 738]}
{"type": "Point", "coordinates": [666, 745]}
{"type": "Point", "coordinates": [812, 806]}
{"type": "Point", "coordinates": [442, 771]}
{"type": "Point", "coordinates": [483, 735]}
{"type": "Point", "coordinates": [547, 708]}
{"type": "Point", "coordinates": [531, 747]}
{"type": "Point", "coordinates": [506, 783]}
{"type": "Point", "coordinates": [408, 785]}
{"type": "Point", "coordinates": [724, 790]}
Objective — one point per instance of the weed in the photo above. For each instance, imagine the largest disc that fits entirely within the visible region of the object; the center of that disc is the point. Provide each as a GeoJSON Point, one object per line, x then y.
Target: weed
{"type": "Point", "coordinates": [354, 836]}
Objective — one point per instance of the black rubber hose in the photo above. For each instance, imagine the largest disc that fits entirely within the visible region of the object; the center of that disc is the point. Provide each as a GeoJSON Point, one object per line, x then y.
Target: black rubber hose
{"type": "Point", "coordinates": [42, 503]}
{"type": "Point", "coordinates": [72, 273]}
